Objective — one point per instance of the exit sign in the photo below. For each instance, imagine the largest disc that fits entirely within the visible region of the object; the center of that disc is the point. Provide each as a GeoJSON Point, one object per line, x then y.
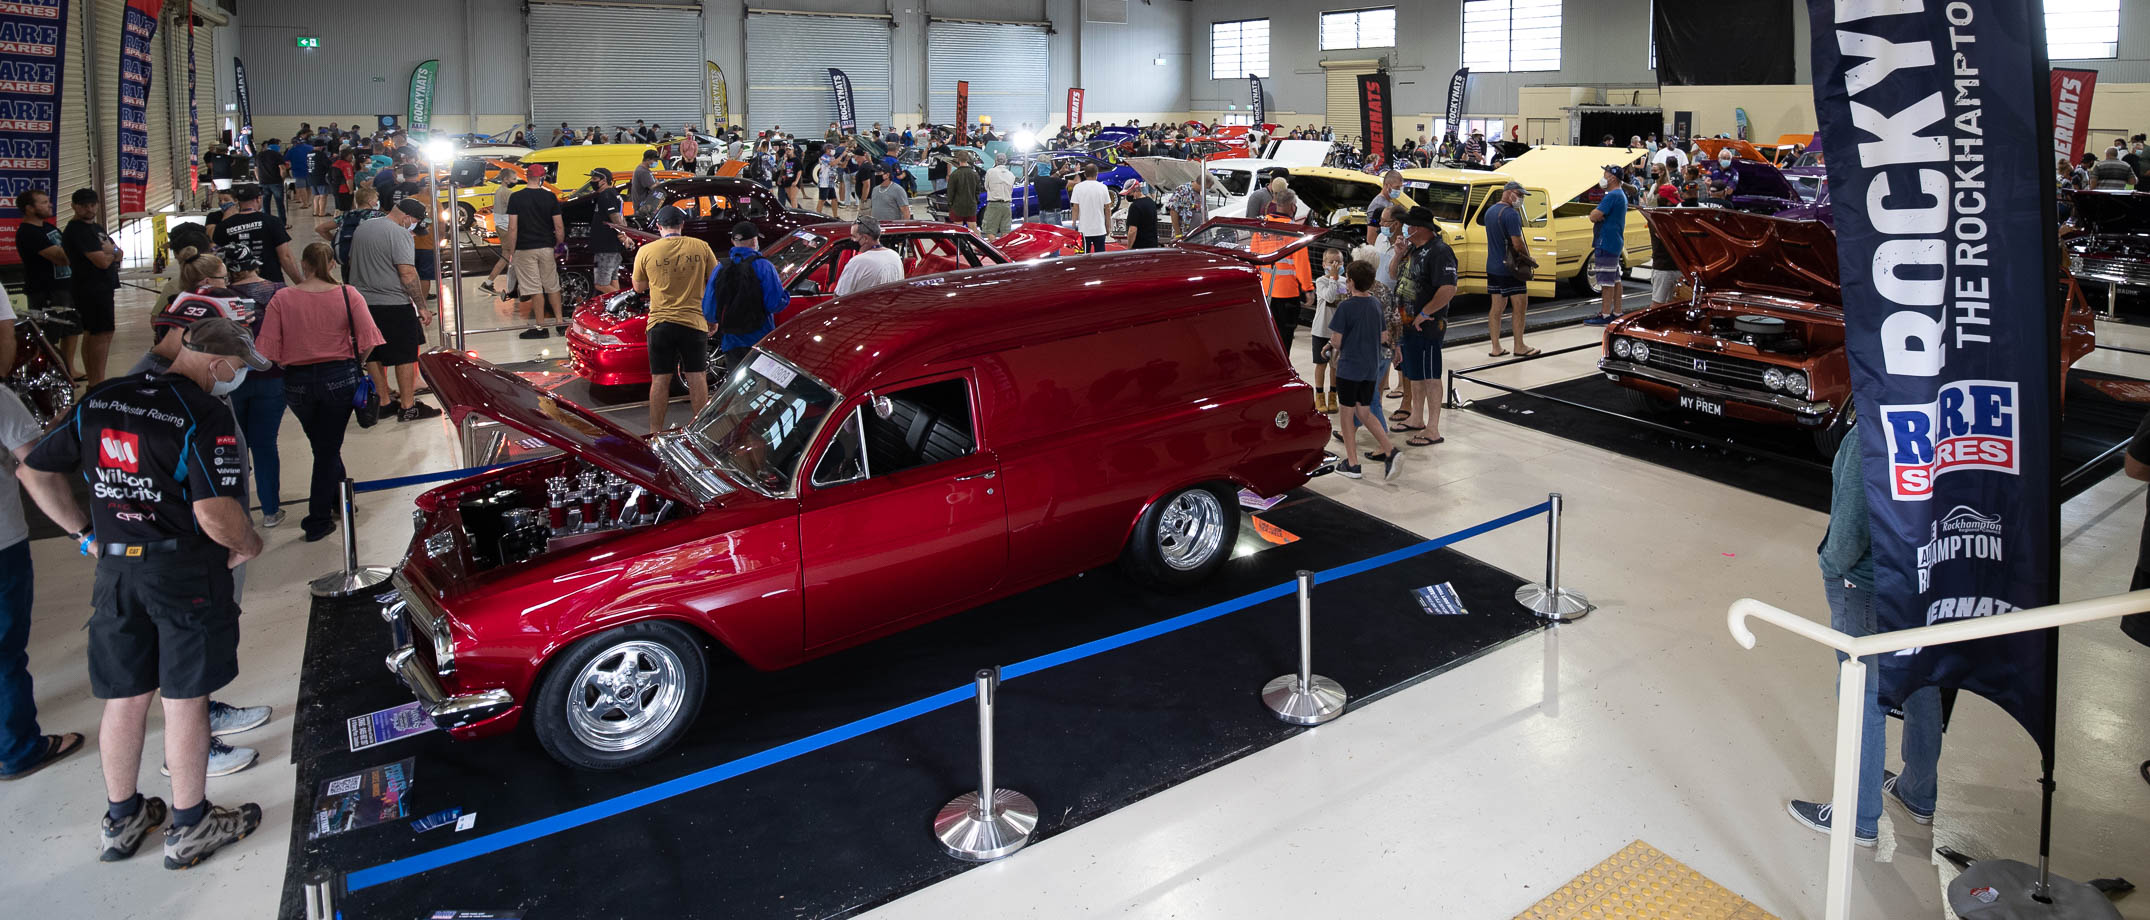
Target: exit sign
{"type": "Point", "coordinates": [308, 41]}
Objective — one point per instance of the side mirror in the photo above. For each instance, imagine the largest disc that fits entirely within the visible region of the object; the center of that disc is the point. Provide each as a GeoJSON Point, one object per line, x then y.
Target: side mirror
{"type": "Point", "coordinates": [806, 287]}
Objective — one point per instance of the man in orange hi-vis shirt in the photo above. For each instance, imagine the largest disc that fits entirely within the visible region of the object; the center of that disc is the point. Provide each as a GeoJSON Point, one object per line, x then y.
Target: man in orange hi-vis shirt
{"type": "Point", "coordinates": [1289, 281]}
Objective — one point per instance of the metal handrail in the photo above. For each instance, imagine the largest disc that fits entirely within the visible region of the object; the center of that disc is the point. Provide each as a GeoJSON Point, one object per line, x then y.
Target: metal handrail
{"type": "Point", "coordinates": [1851, 690]}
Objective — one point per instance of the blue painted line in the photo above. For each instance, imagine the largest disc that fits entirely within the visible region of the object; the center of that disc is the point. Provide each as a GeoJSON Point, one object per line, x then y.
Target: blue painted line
{"type": "Point", "coordinates": [597, 811]}
{"type": "Point", "coordinates": [376, 485]}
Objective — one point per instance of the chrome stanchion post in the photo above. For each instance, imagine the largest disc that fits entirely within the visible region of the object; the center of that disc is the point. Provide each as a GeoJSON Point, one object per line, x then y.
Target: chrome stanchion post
{"type": "Point", "coordinates": [1305, 698]}
{"type": "Point", "coordinates": [320, 889]}
{"type": "Point", "coordinates": [1550, 600]}
{"type": "Point", "coordinates": [353, 578]}
{"type": "Point", "coordinates": [455, 255]}
{"type": "Point", "coordinates": [1454, 400]}
{"type": "Point", "coordinates": [991, 822]}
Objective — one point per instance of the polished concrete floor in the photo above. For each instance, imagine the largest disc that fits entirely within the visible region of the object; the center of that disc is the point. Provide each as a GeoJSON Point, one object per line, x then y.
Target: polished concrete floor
{"type": "Point", "coordinates": [1468, 796]}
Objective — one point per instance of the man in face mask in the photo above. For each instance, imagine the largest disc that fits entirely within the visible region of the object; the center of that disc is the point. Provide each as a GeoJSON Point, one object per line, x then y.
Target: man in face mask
{"type": "Point", "coordinates": [1608, 245]}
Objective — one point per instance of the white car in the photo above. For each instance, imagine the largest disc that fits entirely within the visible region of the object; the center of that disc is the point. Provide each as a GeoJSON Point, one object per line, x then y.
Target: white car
{"type": "Point", "coordinates": [1232, 182]}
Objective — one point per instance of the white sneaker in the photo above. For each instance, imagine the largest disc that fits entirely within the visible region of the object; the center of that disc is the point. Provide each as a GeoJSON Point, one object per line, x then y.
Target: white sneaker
{"type": "Point", "coordinates": [224, 759]}
{"type": "Point", "coordinates": [271, 520]}
{"type": "Point", "coordinates": [226, 719]}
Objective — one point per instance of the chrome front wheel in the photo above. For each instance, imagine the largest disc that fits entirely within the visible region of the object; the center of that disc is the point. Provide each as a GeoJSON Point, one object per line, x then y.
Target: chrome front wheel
{"type": "Point", "coordinates": [1191, 530]}
{"type": "Point", "coordinates": [626, 695]}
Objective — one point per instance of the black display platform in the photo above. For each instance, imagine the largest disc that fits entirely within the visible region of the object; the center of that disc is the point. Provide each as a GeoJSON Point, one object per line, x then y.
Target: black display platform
{"type": "Point", "coordinates": [2102, 410]}
{"type": "Point", "coordinates": [846, 827]}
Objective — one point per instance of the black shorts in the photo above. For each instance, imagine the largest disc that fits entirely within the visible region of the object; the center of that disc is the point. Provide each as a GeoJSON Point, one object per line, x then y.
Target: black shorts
{"type": "Point", "coordinates": [344, 201]}
{"type": "Point", "coordinates": [1504, 285]}
{"type": "Point", "coordinates": [58, 298]}
{"type": "Point", "coordinates": [163, 622]}
{"type": "Point", "coordinates": [402, 332]}
{"type": "Point", "coordinates": [1320, 342]}
{"type": "Point", "coordinates": [677, 349]}
{"type": "Point", "coordinates": [97, 311]}
{"type": "Point", "coordinates": [1354, 392]}
{"type": "Point", "coordinates": [828, 192]}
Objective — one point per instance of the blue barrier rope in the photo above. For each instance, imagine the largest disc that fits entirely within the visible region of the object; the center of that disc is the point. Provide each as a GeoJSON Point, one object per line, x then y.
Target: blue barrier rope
{"type": "Point", "coordinates": [376, 485]}
{"type": "Point", "coordinates": [596, 811]}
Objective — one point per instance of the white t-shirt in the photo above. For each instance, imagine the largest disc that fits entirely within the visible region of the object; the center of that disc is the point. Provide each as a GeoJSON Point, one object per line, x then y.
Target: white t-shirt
{"type": "Point", "coordinates": [1096, 203]}
{"type": "Point", "coordinates": [872, 268]}
{"type": "Point", "coordinates": [999, 184]}
{"type": "Point", "coordinates": [17, 428]}
{"type": "Point", "coordinates": [1673, 156]}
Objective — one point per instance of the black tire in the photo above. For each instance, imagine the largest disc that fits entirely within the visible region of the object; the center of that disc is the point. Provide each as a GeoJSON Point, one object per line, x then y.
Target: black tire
{"type": "Point", "coordinates": [658, 645]}
{"type": "Point", "coordinates": [466, 217]}
{"type": "Point", "coordinates": [1828, 438]}
{"type": "Point", "coordinates": [1161, 558]}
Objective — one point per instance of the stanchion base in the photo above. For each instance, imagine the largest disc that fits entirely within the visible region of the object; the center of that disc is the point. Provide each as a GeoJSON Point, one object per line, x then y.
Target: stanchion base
{"type": "Point", "coordinates": [969, 834]}
{"type": "Point", "coordinates": [1304, 705]}
{"type": "Point", "coordinates": [357, 581]}
{"type": "Point", "coordinates": [1565, 606]}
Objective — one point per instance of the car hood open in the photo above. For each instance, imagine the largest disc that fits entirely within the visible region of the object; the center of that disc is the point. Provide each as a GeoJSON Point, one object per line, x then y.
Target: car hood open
{"type": "Point", "coordinates": [2112, 212]}
{"type": "Point", "coordinates": [1236, 237]}
{"type": "Point", "coordinates": [469, 385]}
{"type": "Point", "coordinates": [1755, 177]}
{"type": "Point", "coordinates": [1751, 252]}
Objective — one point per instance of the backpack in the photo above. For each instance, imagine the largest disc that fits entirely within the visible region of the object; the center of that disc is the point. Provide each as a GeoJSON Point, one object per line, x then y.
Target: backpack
{"type": "Point", "coordinates": [739, 306]}
{"type": "Point", "coordinates": [346, 226]}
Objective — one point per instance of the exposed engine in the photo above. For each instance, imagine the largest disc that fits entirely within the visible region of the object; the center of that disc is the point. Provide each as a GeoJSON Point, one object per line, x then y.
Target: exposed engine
{"type": "Point", "coordinates": [506, 523]}
{"type": "Point", "coordinates": [1764, 333]}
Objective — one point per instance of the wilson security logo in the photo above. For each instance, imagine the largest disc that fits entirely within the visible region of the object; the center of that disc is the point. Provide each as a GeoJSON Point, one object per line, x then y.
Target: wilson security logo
{"type": "Point", "coordinates": [119, 450]}
{"type": "Point", "coordinates": [1970, 425]}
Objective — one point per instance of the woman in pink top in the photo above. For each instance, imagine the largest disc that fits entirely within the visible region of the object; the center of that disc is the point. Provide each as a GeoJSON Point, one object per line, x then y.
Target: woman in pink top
{"type": "Point", "coordinates": [318, 329]}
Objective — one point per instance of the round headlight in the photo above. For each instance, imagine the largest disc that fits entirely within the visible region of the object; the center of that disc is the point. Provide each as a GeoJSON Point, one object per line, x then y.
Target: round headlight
{"type": "Point", "coordinates": [1620, 348]}
{"type": "Point", "coordinates": [1773, 379]}
{"type": "Point", "coordinates": [1640, 351]}
{"type": "Point", "coordinates": [1795, 383]}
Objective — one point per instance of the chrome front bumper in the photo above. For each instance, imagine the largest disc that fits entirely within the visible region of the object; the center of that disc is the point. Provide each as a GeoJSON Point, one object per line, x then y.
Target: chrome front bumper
{"type": "Point", "coordinates": [447, 712]}
{"type": "Point", "coordinates": [1809, 413]}
{"type": "Point", "coordinates": [2121, 271]}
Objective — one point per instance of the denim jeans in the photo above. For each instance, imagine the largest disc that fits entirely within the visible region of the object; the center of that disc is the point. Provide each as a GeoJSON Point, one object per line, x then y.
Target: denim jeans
{"type": "Point", "coordinates": [1851, 611]}
{"type": "Point", "coordinates": [259, 406]}
{"type": "Point", "coordinates": [19, 734]}
{"type": "Point", "coordinates": [1381, 381]}
{"type": "Point", "coordinates": [272, 199]}
{"type": "Point", "coordinates": [320, 397]}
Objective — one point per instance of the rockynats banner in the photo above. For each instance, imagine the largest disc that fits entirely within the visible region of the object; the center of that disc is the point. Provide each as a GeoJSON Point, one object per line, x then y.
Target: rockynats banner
{"type": "Point", "coordinates": [846, 111]}
{"type": "Point", "coordinates": [1932, 119]}
{"type": "Point", "coordinates": [419, 118]}
{"type": "Point", "coordinates": [1375, 119]}
{"type": "Point", "coordinates": [2072, 90]}
{"type": "Point", "coordinates": [1074, 106]}
{"type": "Point", "coordinates": [33, 38]}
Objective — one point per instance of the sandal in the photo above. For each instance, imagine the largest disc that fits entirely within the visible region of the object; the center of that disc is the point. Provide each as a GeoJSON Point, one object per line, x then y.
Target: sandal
{"type": "Point", "coordinates": [1496, 354]}
{"type": "Point", "coordinates": [1526, 352]}
{"type": "Point", "coordinates": [57, 747]}
{"type": "Point", "coordinates": [1408, 428]}
{"type": "Point", "coordinates": [1399, 415]}
{"type": "Point", "coordinates": [1422, 441]}
{"type": "Point", "coordinates": [1395, 394]}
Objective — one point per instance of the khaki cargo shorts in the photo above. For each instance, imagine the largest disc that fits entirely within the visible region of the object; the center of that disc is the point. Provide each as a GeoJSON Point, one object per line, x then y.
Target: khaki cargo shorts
{"type": "Point", "coordinates": [535, 272]}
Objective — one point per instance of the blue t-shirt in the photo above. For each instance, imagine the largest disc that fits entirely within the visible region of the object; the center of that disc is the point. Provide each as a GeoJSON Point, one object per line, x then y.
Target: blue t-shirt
{"type": "Point", "coordinates": [1611, 234]}
{"type": "Point", "coordinates": [301, 160]}
{"type": "Point", "coordinates": [1355, 328]}
{"type": "Point", "coordinates": [1502, 224]}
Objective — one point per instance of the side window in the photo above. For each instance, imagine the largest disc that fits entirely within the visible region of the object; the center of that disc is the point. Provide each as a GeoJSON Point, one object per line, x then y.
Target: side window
{"type": "Point", "coordinates": [753, 207]}
{"type": "Point", "coordinates": [975, 254]}
{"type": "Point", "coordinates": [918, 426]}
{"type": "Point", "coordinates": [827, 268]}
{"type": "Point", "coordinates": [844, 460]}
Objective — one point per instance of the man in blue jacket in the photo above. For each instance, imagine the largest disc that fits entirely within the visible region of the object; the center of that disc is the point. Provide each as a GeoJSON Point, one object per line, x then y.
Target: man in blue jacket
{"type": "Point", "coordinates": [744, 296]}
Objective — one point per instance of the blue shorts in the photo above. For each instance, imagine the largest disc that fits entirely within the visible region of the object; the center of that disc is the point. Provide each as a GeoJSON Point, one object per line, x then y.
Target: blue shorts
{"type": "Point", "coordinates": [423, 260]}
{"type": "Point", "coordinates": [1606, 266]}
{"type": "Point", "coordinates": [1418, 353]}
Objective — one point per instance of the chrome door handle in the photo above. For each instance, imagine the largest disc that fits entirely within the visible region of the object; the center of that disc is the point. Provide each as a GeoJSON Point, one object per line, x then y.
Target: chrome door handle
{"type": "Point", "coordinates": [1537, 239]}
{"type": "Point", "coordinates": [988, 474]}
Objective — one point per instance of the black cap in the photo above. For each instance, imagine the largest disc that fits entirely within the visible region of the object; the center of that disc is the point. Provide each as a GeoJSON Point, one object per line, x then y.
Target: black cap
{"type": "Point", "coordinates": [1418, 216]}
{"type": "Point", "coordinates": [412, 207]}
{"type": "Point", "coordinates": [745, 230]}
{"type": "Point", "coordinates": [601, 173]}
{"type": "Point", "coordinates": [670, 216]}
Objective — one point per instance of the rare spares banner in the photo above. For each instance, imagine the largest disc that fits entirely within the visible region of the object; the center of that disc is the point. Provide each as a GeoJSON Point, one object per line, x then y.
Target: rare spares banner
{"type": "Point", "coordinates": [194, 122]}
{"type": "Point", "coordinates": [1375, 119]}
{"type": "Point", "coordinates": [2071, 112]}
{"type": "Point", "coordinates": [846, 112]}
{"type": "Point", "coordinates": [137, 30]}
{"type": "Point", "coordinates": [1074, 106]}
{"type": "Point", "coordinates": [33, 38]}
{"type": "Point", "coordinates": [1932, 119]}
{"type": "Point", "coordinates": [1259, 107]}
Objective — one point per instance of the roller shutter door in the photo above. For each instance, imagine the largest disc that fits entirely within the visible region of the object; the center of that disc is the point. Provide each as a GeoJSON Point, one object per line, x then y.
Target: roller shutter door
{"type": "Point", "coordinates": [788, 61]}
{"type": "Point", "coordinates": [1343, 87]}
{"type": "Point", "coordinates": [1006, 64]}
{"type": "Point", "coordinates": [610, 65]}
{"type": "Point", "coordinates": [109, 17]}
{"type": "Point", "coordinates": [75, 151]}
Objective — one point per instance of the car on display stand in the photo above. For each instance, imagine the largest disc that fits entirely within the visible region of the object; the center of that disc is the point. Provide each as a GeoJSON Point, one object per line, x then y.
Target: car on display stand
{"type": "Point", "coordinates": [882, 460]}
{"type": "Point", "coordinates": [714, 204]}
{"type": "Point", "coordinates": [1564, 177]}
{"type": "Point", "coordinates": [573, 162]}
{"type": "Point", "coordinates": [2108, 241]}
{"type": "Point", "coordinates": [1761, 338]}
{"type": "Point", "coordinates": [608, 344]}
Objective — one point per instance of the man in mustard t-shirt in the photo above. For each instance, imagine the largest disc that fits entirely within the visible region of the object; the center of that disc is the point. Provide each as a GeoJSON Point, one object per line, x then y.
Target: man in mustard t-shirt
{"type": "Point", "coordinates": [673, 271]}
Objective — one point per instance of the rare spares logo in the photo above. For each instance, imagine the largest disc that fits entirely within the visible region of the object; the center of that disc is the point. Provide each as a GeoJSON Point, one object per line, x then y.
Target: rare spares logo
{"type": "Point", "coordinates": [1971, 425]}
{"type": "Point", "coordinates": [119, 450]}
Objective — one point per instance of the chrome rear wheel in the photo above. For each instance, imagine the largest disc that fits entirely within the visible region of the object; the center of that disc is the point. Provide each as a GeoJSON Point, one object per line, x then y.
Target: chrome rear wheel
{"type": "Point", "coordinates": [1191, 530]}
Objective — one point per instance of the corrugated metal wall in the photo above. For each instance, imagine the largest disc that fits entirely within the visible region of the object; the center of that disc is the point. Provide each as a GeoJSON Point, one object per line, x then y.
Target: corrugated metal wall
{"type": "Point", "coordinates": [75, 89]}
{"type": "Point", "coordinates": [1007, 66]}
{"type": "Point", "coordinates": [611, 65]}
{"type": "Point", "coordinates": [788, 61]}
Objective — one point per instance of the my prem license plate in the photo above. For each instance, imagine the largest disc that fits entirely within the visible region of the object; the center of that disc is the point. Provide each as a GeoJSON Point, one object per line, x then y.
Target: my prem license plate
{"type": "Point", "coordinates": [1701, 405]}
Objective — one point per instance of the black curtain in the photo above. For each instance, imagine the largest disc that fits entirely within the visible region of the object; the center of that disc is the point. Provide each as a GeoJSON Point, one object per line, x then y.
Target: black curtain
{"type": "Point", "coordinates": [1715, 43]}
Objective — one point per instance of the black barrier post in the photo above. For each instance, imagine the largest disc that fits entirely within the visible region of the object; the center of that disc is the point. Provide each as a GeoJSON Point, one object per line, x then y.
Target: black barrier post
{"type": "Point", "coordinates": [352, 578]}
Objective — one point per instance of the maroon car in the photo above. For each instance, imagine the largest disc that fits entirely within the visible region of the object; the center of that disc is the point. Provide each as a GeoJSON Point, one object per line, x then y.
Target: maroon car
{"type": "Point", "coordinates": [714, 204]}
{"type": "Point", "coordinates": [884, 459]}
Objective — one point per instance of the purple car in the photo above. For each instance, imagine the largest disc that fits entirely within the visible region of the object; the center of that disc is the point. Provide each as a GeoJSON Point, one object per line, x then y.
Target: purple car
{"type": "Point", "coordinates": [1798, 193]}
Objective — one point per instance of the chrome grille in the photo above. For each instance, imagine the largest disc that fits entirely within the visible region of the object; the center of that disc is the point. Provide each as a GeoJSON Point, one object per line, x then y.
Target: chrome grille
{"type": "Point", "coordinates": [1708, 365]}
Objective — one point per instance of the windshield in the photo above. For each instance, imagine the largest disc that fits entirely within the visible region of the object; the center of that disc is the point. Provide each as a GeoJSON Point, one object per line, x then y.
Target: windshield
{"type": "Point", "coordinates": [912, 156]}
{"type": "Point", "coordinates": [792, 252]}
{"type": "Point", "coordinates": [1233, 181]}
{"type": "Point", "coordinates": [759, 425]}
{"type": "Point", "coordinates": [1447, 200]}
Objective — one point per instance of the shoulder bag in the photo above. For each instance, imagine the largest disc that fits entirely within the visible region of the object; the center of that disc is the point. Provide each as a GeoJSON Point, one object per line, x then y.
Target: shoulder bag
{"type": "Point", "coordinates": [1521, 266]}
{"type": "Point", "coordinates": [365, 403]}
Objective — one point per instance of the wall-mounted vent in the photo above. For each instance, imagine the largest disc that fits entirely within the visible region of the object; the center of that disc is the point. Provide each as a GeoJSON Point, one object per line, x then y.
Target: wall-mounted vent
{"type": "Point", "coordinates": [1114, 11]}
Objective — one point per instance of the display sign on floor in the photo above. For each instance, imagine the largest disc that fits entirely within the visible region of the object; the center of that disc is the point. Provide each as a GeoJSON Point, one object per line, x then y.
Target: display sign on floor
{"type": "Point", "coordinates": [371, 796]}
{"type": "Point", "coordinates": [1274, 535]}
{"type": "Point", "coordinates": [377, 728]}
{"type": "Point", "coordinates": [1440, 600]}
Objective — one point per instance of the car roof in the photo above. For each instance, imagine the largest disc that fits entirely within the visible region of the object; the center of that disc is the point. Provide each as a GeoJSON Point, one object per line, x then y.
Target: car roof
{"type": "Point", "coordinates": [907, 326]}
{"type": "Point", "coordinates": [841, 229]}
{"type": "Point", "coordinates": [1247, 163]}
{"type": "Point", "coordinates": [1457, 176]}
{"type": "Point", "coordinates": [1332, 172]}
{"type": "Point", "coordinates": [588, 151]}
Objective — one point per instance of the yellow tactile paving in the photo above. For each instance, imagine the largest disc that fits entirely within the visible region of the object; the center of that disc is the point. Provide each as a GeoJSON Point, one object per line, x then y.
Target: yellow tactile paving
{"type": "Point", "coordinates": [1640, 883]}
